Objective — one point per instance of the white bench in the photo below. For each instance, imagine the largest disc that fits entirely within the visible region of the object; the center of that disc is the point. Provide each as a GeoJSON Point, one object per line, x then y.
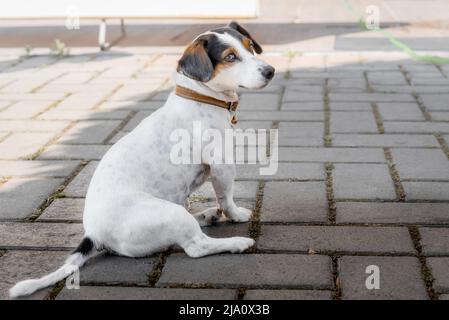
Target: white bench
{"type": "Point", "coordinates": [127, 9]}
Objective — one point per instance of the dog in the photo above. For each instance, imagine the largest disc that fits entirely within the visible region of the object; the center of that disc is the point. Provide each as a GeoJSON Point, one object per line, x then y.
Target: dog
{"type": "Point", "coordinates": [136, 201]}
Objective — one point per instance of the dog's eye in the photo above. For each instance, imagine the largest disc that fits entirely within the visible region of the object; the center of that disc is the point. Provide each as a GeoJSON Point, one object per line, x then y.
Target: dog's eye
{"type": "Point", "coordinates": [230, 57]}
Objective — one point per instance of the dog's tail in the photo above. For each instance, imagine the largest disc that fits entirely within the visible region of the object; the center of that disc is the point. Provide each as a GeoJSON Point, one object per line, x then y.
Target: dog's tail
{"type": "Point", "coordinates": [78, 257]}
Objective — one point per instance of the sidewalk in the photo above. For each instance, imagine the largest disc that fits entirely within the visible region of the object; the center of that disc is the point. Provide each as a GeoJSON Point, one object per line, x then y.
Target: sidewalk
{"type": "Point", "coordinates": [363, 177]}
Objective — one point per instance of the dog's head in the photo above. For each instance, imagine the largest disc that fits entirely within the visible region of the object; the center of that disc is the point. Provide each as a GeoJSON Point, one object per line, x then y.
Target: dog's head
{"type": "Point", "coordinates": [225, 59]}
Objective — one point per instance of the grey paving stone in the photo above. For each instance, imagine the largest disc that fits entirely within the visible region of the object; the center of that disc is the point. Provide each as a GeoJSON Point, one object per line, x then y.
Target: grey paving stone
{"type": "Point", "coordinates": [400, 278]}
{"type": "Point", "coordinates": [242, 190]}
{"type": "Point", "coordinates": [37, 168]}
{"type": "Point", "coordinates": [383, 140]}
{"type": "Point", "coordinates": [370, 155]}
{"type": "Point", "coordinates": [370, 97]}
{"type": "Point", "coordinates": [63, 209]}
{"type": "Point", "coordinates": [254, 125]}
{"type": "Point", "coordinates": [303, 106]}
{"type": "Point", "coordinates": [258, 101]}
{"type": "Point", "coordinates": [287, 295]}
{"type": "Point", "coordinates": [117, 137]}
{"type": "Point", "coordinates": [40, 235]}
{"type": "Point", "coordinates": [114, 270]}
{"type": "Point", "coordinates": [436, 102]}
{"type": "Point", "coordinates": [426, 190]}
{"type": "Point", "coordinates": [415, 127]}
{"type": "Point", "coordinates": [294, 202]}
{"type": "Point", "coordinates": [78, 186]}
{"type": "Point", "coordinates": [138, 293]}
{"type": "Point", "coordinates": [440, 116]}
{"type": "Point", "coordinates": [130, 105]}
{"type": "Point", "coordinates": [389, 77]}
{"type": "Point", "coordinates": [20, 197]}
{"type": "Point", "coordinates": [291, 95]}
{"type": "Point", "coordinates": [439, 268]}
{"type": "Point", "coordinates": [336, 238]}
{"type": "Point", "coordinates": [350, 106]}
{"type": "Point", "coordinates": [281, 116]}
{"type": "Point", "coordinates": [134, 122]}
{"type": "Point", "coordinates": [289, 270]}
{"type": "Point", "coordinates": [23, 145]}
{"type": "Point", "coordinates": [286, 171]}
{"type": "Point", "coordinates": [290, 131]}
{"type": "Point", "coordinates": [435, 241]}
{"type": "Point", "coordinates": [16, 266]}
{"type": "Point", "coordinates": [89, 132]}
{"type": "Point", "coordinates": [363, 181]}
{"type": "Point", "coordinates": [410, 213]}
{"type": "Point", "coordinates": [362, 122]}
{"type": "Point", "coordinates": [444, 297]}
{"type": "Point", "coordinates": [421, 163]}
{"type": "Point", "coordinates": [225, 229]}
{"type": "Point", "coordinates": [400, 111]}
{"type": "Point", "coordinates": [56, 114]}
{"type": "Point", "coordinates": [73, 152]}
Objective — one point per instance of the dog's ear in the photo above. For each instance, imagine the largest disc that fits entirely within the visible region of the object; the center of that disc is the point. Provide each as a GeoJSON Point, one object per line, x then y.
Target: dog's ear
{"type": "Point", "coordinates": [234, 25]}
{"type": "Point", "coordinates": [195, 62]}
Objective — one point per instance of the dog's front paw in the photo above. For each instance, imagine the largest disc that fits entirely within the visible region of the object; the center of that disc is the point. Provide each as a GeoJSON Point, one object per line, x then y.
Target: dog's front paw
{"type": "Point", "coordinates": [239, 215]}
{"type": "Point", "coordinates": [241, 244]}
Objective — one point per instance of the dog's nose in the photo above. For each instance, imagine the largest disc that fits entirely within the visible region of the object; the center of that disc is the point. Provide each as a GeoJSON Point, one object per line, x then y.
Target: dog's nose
{"type": "Point", "coordinates": [268, 72]}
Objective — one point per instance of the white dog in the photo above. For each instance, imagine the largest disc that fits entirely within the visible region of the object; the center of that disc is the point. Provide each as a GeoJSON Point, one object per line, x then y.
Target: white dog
{"type": "Point", "coordinates": [135, 204]}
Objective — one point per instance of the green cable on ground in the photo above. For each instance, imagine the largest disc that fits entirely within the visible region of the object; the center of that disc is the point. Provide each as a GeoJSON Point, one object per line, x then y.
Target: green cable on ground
{"type": "Point", "coordinates": [397, 43]}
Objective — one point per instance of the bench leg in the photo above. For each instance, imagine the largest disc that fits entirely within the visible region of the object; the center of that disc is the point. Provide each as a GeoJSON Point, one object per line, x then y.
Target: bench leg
{"type": "Point", "coordinates": [102, 35]}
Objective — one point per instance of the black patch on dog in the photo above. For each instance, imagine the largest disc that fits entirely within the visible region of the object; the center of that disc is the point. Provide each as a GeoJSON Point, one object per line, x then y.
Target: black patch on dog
{"type": "Point", "coordinates": [84, 247]}
{"type": "Point", "coordinates": [238, 32]}
{"type": "Point", "coordinates": [201, 57]}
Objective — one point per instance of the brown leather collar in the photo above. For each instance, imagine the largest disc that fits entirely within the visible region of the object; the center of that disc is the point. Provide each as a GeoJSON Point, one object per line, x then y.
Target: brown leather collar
{"type": "Point", "coordinates": [193, 95]}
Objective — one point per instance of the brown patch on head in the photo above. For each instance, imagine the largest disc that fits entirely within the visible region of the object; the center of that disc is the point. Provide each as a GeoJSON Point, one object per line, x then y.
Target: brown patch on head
{"type": "Point", "coordinates": [248, 44]}
{"type": "Point", "coordinates": [195, 62]}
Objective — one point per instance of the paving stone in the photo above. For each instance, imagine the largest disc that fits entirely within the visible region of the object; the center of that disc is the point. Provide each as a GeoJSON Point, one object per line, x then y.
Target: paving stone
{"type": "Point", "coordinates": [426, 190]}
{"type": "Point", "coordinates": [362, 122]}
{"type": "Point", "coordinates": [400, 278]}
{"type": "Point", "coordinates": [25, 109]}
{"type": "Point", "coordinates": [439, 267]}
{"type": "Point", "coordinates": [36, 168]}
{"type": "Point", "coordinates": [288, 295]}
{"type": "Point", "coordinates": [286, 171]}
{"type": "Point", "coordinates": [40, 235]}
{"type": "Point", "coordinates": [32, 125]}
{"type": "Point", "coordinates": [400, 111]}
{"type": "Point", "coordinates": [23, 145]}
{"type": "Point", "coordinates": [435, 241]}
{"type": "Point", "coordinates": [444, 297]}
{"type": "Point", "coordinates": [363, 181]}
{"type": "Point", "coordinates": [78, 186]}
{"type": "Point", "coordinates": [416, 127]}
{"type": "Point", "coordinates": [138, 293]}
{"type": "Point", "coordinates": [31, 96]}
{"type": "Point", "coordinates": [116, 270]}
{"type": "Point", "coordinates": [391, 240]}
{"type": "Point", "coordinates": [421, 163]}
{"type": "Point", "coordinates": [303, 106]}
{"type": "Point", "coordinates": [89, 132]}
{"type": "Point", "coordinates": [383, 140]}
{"type": "Point", "coordinates": [350, 106]}
{"type": "Point", "coordinates": [134, 122]}
{"type": "Point", "coordinates": [242, 190]}
{"type": "Point", "coordinates": [292, 270]}
{"type": "Point", "coordinates": [63, 209]}
{"type": "Point", "coordinates": [16, 266]}
{"type": "Point", "coordinates": [56, 114]}
{"type": "Point", "coordinates": [258, 101]}
{"type": "Point", "coordinates": [294, 202]}
{"type": "Point", "coordinates": [371, 97]}
{"type": "Point", "coordinates": [436, 102]}
{"type": "Point", "coordinates": [280, 116]}
{"type": "Point", "coordinates": [331, 154]}
{"type": "Point", "coordinates": [291, 95]}
{"type": "Point", "coordinates": [81, 152]}
{"type": "Point", "coordinates": [389, 78]}
{"type": "Point", "coordinates": [13, 202]}
{"type": "Point", "coordinates": [82, 101]}
{"type": "Point", "coordinates": [289, 131]}
{"type": "Point", "coordinates": [440, 116]}
{"type": "Point", "coordinates": [410, 213]}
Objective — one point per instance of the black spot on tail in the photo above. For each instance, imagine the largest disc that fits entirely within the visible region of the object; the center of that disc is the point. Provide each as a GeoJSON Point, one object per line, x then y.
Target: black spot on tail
{"type": "Point", "coordinates": [84, 247]}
